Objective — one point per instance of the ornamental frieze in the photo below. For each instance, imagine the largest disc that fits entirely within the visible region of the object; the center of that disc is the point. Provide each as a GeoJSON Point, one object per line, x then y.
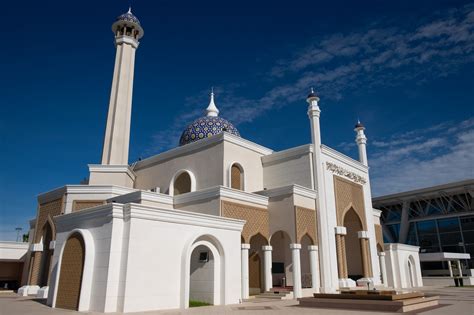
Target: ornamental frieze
{"type": "Point", "coordinates": [343, 172]}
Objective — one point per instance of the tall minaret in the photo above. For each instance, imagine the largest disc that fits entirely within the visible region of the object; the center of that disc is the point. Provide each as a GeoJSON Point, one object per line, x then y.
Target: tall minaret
{"type": "Point", "coordinates": [361, 141]}
{"type": "Point", "coordinates": [327, 269]}
{"type": "Point", "coordinates": [127, 32]}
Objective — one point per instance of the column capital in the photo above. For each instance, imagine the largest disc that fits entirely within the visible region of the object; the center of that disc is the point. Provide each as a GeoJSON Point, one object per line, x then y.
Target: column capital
{"type": "Point", "coordinates": [244, 246]}
{"type": "Point", "coordinates": [123, 39]}
{"type": "Point", "coordinates": [313, 248]}
{"type": "Point", "coordinates": [340, 230]}
{"type": "Point", "coordinates": [381, 253]}
{"type": "Point", "coordinates": [267, 248]}
{"type": "Point", "coordinates": [363, 234]}
{"type": "Point", "coordinates": [295, 246]}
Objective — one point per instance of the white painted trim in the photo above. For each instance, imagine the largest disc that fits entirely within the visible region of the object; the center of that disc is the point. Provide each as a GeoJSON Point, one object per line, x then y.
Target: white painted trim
{"type": "Point", "coordinates": [82, 189]}
{"type": "Point", "coordinates": [99, 168]}
{"type": "Point", "coordinates": [376, 212]}
{"type": "Point", "coordinates": [142, 195]}
{"type": "Point", "coordinates": [363, 234]}
{"type": "Point", "coordinates": [199, 146]}
{"type": "Point", "coordinates": [313, 248]}
{"type": "Point", "coordinates": [37, 247]}
{"type": "Point", "coordinates": [176, 175]}
{"type": "Point", "coordinates": [330, 152]}
{"type": "Point", "coordinates": [295, 246]}
{"type": "Point", "coordinates": [281, 156]}
{"type": "Point", "coordinates": [219, 192]}
{"type": "Point", "coordinates": [288, 190]}
{"type": "Point", "coordinates": [340, 230]}
{"type": "Point", "coordinates": [397, 246]}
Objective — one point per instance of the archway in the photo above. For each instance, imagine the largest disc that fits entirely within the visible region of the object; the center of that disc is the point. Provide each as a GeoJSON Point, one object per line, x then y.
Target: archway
{"type": "Point", "coordinates": [46, 255]}
{"type": "Point", "coordinates": [353, 225]}
{"type": "Point", "coordinates": [201, 277]}
{"type": "Point", "coordinates": [256, 264]}
{"type": "Point", "coordinates": [237, 176]}
{"type": "Point", "coordinates": [204, 272]}
{"type": "Point", "coordinates": [282, 265]}
{"type": "Point", "coordinates": [305, 266]}
{"type": "Point", "coordinates": [182, 182]}
{"type": "Point", "coordinates": [71, 271]}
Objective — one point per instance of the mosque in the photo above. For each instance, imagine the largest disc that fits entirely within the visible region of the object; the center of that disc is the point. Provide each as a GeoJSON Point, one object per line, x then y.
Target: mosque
{"type": "Point", "coordinates": [217, 219]}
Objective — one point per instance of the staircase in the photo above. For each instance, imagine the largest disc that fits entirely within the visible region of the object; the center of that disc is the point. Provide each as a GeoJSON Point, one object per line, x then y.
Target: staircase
{"type": "Point", "coordinates": [277, 294]}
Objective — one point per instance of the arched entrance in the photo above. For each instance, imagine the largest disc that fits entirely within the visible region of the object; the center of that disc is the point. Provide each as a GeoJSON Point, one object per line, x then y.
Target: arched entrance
{"type": "Point", "coordinates": [282, 266]}
{"type": "Point", "coordinates": [411, 272]}
{"type": "Point", "coordinates": [204, 270]}
{"type": "Point", "coordinates": [256, 264]}
{"type": "Point", "coordinates": [46, 255]}
{"type": "Point", "coordinates": [353, 225]}
{"type": "Point", "coordinates": [201, 276]}
{"type": "Point", "coordinates": [71, 271]}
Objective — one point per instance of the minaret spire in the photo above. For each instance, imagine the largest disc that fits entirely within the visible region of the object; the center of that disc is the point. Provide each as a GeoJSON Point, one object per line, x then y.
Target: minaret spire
{"type": "Point", "coordinates": [212, 110]}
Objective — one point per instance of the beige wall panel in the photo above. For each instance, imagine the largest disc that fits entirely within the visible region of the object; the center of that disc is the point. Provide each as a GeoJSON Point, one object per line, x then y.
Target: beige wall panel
{"type": "Point", "coordinates": [257, 219]}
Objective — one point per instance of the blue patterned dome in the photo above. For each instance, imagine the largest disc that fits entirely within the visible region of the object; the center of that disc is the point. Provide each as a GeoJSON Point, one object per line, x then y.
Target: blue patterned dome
{"type": "Point", "coordinates": [205, 127]}
{"type": "Point", "coordinates": [128, 17]}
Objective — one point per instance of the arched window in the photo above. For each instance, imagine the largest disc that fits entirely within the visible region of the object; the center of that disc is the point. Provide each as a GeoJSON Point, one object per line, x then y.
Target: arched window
{"type": "Point", "coordinates": [182, 184]}
{"type": "Point", "coordinates": [236, 177]}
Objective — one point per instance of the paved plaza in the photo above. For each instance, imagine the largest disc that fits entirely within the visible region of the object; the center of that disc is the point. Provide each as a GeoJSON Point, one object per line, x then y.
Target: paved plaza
{"type": "Point", "coordinates": [454, 301]}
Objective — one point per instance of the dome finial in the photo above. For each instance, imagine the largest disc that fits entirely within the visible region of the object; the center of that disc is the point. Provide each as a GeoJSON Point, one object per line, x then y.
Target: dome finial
{"type": "Point", "coordinates": [129, 9]}
{"type": "Point", "coordinates": [212, 108]}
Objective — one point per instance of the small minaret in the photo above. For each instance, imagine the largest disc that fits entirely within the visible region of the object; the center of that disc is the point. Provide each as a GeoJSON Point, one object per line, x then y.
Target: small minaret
{"type": "Point", "coordinates": [361, 141]}
{"type": "Point", "coordinates": [127, 32]}
{"type": "Point", "coordinates": [212, 108]}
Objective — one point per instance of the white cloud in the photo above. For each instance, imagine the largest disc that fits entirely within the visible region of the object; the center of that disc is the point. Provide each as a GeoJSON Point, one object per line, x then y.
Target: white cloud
{"type": "Point", "coordinates": [437, 156]}
{"type": "Point", "coordinates": [341, 63]}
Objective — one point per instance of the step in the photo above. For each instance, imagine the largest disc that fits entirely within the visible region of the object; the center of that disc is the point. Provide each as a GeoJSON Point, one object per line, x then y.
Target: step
{"type": "Point", "coordinates": [286, 295]}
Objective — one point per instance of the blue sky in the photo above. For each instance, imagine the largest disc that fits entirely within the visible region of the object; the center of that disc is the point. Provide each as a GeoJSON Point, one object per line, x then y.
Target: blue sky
{"type": "Point", "coordinates": [404, 68]}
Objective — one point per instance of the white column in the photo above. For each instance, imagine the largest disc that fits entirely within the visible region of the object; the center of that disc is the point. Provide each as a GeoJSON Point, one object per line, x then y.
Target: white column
{"type": "Point", "coordinates": [295, 256]}
{"type": "Point", "coordinates": [267, 267]}
{"type": "Point", "coordinates": [459, 267]}
{"type": "Point", "coordinates": [314, 112]}
{"type": "Point", "coordinates": [361, 141]}
{"type": "Point", "coordinates": [314, 266]}
{"type": "Point", "coordinates": [450, 269]}
{"type": "Point", "coordinates": [383, 268]}
{"type": "Point", "coordinates": [245, 270]}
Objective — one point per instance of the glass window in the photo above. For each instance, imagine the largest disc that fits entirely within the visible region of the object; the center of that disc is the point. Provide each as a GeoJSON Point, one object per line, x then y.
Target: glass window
{"type": "Point", "coordinates": [428, 240]}
{"type": "Point", "coordinates": [453, 249]}
{"type": "Point", "coordinates": [412, 239]}
{"type": "Point", "coordinates": [394, 230]}
{"type": "Point", "coordinates": [468, 237]}
{"type": "Point", "coordinates": [448, 225]}
{"type": "Point", "coordinates": [450, 238]}
{"type": "Point", "coordinates": [467, 223]}
{"type": "Point", "coordinates": [426, 227]}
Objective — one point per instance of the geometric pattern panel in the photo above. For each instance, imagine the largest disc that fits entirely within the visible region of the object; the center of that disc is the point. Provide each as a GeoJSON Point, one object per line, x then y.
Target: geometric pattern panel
{"type": "Point", "coordinates": [256, 219]}
{"type": "Point", "coordinates": [84, 204]}
{"type": "Point", "coordinates": [349, 194]}
{"type": "Point", "coordinates": [71, 270]}
{"type": "Point", "coordinates": [51, 208]}
{"type": "Point", "coordinates": [305, 220]}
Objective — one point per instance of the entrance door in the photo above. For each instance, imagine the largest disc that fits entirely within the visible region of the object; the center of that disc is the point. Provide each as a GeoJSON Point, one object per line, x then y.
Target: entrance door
{"type": "Point", "coordinates": [70, 277]}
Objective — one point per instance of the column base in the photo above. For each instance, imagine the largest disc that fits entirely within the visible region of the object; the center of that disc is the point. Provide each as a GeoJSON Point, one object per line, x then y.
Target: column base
{"type": "Point", "coordinates": [365, 281]}
{"type": "Point", "coordinates": [28, 290]}
{"type": "Point", "coordinates": [347, 283]}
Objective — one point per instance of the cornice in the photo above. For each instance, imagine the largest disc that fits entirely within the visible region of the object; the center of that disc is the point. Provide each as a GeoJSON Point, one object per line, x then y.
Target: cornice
{"type": "Point", "coordinates": [138, 211]}
{"type": "Point", "coordinates": [289, 190]}
{"type": "Point", "coordinates": [376, 212]}
{"type": "Point", "coordinates": [396, 246]}
{"type": "Point", "coordinates": [83, 189]}
{"type": "Point", "coordinates": [284, 155]}
{"type": "Point", "coordinates": [330, 152]}
{"type": "Point", "coordinates": [142, 195]}
{"type": "Point", "coordinates": [219, 192]}
{"type": "Point", "coordinates": [98, 168]}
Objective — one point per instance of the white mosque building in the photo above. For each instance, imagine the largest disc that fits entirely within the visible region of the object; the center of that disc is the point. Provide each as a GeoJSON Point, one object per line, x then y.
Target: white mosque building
{"type": "Point", "coordinates": [217, 219]}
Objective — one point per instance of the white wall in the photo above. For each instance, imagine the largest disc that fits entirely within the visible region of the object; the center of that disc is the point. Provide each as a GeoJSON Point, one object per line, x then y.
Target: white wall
{"type": "Point", "coordinates": [398, 272]}
{"type": "Point", "coordinates": [141, 256]}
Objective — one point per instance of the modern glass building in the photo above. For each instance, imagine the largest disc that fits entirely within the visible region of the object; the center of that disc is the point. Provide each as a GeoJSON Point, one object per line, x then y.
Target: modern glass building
{"type": "Point", "coordinates": [438, 219]}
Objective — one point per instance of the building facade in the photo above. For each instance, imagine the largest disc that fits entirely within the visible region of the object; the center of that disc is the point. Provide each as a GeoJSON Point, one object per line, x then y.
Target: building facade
{"type": "Point", "coordinates": [437, 219]}
{"type": "Point", "coordinates": [216, 219]}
